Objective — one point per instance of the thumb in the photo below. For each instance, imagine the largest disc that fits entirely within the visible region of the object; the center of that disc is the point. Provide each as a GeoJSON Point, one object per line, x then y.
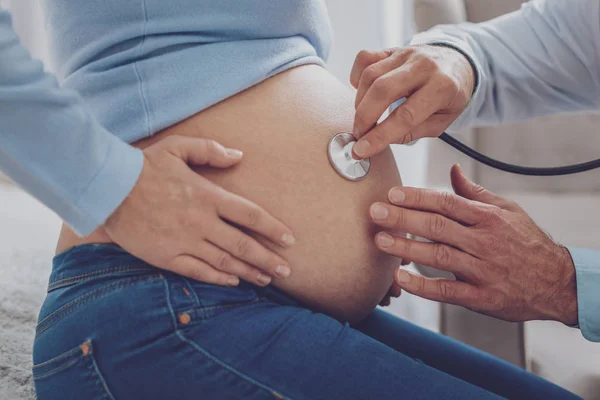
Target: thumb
{"type": "Point", "coordinates": [197, 151]}
{"type": "Point", "coordinates": [466, 188]}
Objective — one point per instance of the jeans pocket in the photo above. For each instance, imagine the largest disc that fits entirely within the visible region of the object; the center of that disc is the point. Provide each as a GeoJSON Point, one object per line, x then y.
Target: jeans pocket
{"type": "Point", "coordinates": [73, 374]}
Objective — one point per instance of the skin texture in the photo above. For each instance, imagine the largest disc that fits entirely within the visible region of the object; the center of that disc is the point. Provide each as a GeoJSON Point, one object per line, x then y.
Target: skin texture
{"type": "Point", "coordinates": [283, 126]}
{"type": "Point", "coordinates": [505, 265]}
{"type": "Point", "coordinates": [195, 240]}
{"type": "Point", "coordinates": [438, 83]}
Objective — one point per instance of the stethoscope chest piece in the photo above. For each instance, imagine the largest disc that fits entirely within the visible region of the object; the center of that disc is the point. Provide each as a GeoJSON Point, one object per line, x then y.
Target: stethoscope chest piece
{"type": "Point", "coordinates": [340, 157]}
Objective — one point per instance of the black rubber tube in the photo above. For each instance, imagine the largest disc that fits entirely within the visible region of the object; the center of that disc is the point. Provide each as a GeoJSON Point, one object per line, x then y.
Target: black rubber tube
{"type": "Point", "coordinates": [517, 169]}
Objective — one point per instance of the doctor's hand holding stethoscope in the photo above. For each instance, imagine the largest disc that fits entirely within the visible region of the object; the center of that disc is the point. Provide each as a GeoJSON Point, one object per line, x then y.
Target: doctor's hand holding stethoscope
{"type": "Point", "coordinates": [505, 265]}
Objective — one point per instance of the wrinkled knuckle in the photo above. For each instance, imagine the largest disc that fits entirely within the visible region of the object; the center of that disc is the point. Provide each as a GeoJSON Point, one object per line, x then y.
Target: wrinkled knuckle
{"type": "Point", "coordinates": [448, 84]}
{"type": "Point", "coordinates": [441, 255]}
{"type": "Point", "coordinates": [409, 51]}
{"type": "Point", "coordinates": [243, 246]}
{"type": "Point", "coordinates": [447, 202]}
{"type": "Point", "coordinates": [254, 217]}
{"type": "Point", "coordinates": [370, 74]}
{"type": "Point", "coordinates": [493, 216]}
{"type": "Point", "coordinates": [447, 292]}
{"type": "Point", "coordinates": [427, 64]}
{"type": "Point", "coordinates": [406, 116]}
{"type": "Point", "coordinates": [379, 135]}
{"type": "Point", "coordinates": [381, 87]}
{"type": "Point", "coordinates": [489, 244]}
{"type": "Point", "coordinates": [419, 197]}
{"type": "Point", "coordinates": [398, 217]}
{"type": "Point", "coordinates": [437, 226]}
{"type": "Point", "coordinates": [406, 247]}
{"type": "Point", "coordinates": [224, 262]}
{"type": "Point", "coordinates": [420, 284]}
{"type": "Point", "coordinates": [363, 56]}
{"type": "Point", "coordinates": [493, 302]}
{"type": "Point", "coordinates": [478, 189]}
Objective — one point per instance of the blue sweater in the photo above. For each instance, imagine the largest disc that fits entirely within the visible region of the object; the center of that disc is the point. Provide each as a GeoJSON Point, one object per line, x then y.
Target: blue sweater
{"type": "Point", "coordinates": [129, 69]}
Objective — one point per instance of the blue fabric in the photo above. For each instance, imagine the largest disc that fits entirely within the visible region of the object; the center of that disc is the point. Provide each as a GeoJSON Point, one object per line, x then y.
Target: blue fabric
{"type": "Point", "coordinates": [51, 145]}
{"type": "Point", "coordinates": [113, 327]}
{"type": "Point", "coordinates": [144, 65]}
{"type": "Point", "coordinates": [140, 66]}
{"type": "Point", "coordinates": [541, 60]}
{"type": "Point", "coordinates": [587, 266]}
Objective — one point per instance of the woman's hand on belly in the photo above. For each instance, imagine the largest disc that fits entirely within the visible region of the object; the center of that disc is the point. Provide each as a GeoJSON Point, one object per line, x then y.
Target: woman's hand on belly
{"type": "Point", "coordinates": [187, 230]}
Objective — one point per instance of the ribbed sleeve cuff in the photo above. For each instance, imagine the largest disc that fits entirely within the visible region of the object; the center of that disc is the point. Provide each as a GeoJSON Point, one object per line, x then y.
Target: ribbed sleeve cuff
{"type": "Point", "coordinates": [108, 189]}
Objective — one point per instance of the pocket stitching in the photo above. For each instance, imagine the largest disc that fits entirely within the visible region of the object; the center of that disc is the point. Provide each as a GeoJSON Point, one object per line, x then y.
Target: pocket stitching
{"type": "Point", "coordinates": [74, 305]}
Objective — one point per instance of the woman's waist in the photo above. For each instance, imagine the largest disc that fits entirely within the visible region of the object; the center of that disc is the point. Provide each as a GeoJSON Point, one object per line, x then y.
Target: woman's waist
{"type": "Point", "coordinates": [283, 127]}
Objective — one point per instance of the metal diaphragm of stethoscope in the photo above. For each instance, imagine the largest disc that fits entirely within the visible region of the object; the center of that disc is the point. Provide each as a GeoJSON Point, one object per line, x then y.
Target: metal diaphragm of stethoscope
{"type": "Point", "coordinates": [341, 158]}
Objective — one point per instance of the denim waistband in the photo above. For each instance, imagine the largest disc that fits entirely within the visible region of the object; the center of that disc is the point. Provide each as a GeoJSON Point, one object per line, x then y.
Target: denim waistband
{"type": "Point", "coordinates": [90, 261]}
{"type": "Point", "coordinates": [93, 260]}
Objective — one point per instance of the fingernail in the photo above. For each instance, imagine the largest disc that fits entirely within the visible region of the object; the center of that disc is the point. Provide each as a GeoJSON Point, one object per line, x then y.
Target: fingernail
{"type": "Point", "coordinates": [233, 153]}
{"type": "Point", "coordinates": [403, 276]}
{"type": "Point", "coordinates": [288, 239]}
{"type": "Point", "coordinates": [362, 147]}
{"type": "Point", "coordinates": [397, 196]}
{"type": "Point", "coordinates": [379, 212]}
{"type": "Point", "coordinates": [282, 271]}
{"type": "Point", "coordinates": [385, 240]}
{"type": "Point", "coordinates": [263, 279]}
{"type": "Point", "coordinates": [233, 281]}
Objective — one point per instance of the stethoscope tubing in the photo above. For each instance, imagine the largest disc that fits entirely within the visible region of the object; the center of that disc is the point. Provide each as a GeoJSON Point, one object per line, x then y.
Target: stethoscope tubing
{"type": "Point", "coordinates": [517, 169]}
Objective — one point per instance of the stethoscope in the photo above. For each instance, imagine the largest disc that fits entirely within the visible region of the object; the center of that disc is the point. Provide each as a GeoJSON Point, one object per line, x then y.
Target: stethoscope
{"type": "Point", "coordinates": [342, 160]}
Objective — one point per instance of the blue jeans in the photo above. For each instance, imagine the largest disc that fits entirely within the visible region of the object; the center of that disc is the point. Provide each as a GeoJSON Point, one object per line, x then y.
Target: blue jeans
{"type": "Point", "coordinates": [114, 327]}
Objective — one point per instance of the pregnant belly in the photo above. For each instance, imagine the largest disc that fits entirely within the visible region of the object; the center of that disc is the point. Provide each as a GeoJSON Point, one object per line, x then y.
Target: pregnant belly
{"type": "Point", "coordinates": [283, 126]}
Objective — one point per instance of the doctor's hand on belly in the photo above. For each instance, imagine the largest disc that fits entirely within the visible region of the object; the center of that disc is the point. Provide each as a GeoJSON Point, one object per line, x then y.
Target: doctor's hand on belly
{"type": "Point", "coordinates": [505, 265]}
{"type": "Point", "coordinates": [184, 218]}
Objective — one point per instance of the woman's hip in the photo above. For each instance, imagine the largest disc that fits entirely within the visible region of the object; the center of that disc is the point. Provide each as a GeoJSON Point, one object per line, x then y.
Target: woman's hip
{"type": "Point", "coordinates": [114, 327]}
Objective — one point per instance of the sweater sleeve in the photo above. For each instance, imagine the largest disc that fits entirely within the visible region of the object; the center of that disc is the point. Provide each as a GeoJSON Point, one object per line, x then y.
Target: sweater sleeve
{"type": "Point", "coordinates": [51, 145]}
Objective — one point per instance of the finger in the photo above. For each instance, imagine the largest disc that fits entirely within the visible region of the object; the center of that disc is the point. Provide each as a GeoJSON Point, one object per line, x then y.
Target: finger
{"type": "Point", "coordinates": [364, 59]}
{"type": "Point", "coordinates": [196, 269]}
{"type": "Point", "coordinates": [385, 302]}
{"type": "Point", "coordinates": [245, 213]}
{"type": "Point", "coordinates": [225, 262]}
{"type": "Point", "coordinates": [465, 188]}
{"type": "Point", "coordinates": [247, 249]}
{"type": "Point", "coordinates": [405, 262]}
{"type": "Point", "coordinates": [400, 126]}
{"type": "Point", "coordinates": [395, 290]}
{"type": "Point", "coordinates": [376, 70]}
{"type": "Point", "coordinates": [434, 126]}
{"type": "Point", "coordinates": [436, 255]}
{"type": "Point", "coordinates": [442, 290]}
{"type": "Point", "coordinates": [385, 90]}
{"type": "Point", "coordinates": [422, 224]}
{"type": "Point", "coordinates": [441, 202]}
{"type": "Point", "coordinates": [195, 151]}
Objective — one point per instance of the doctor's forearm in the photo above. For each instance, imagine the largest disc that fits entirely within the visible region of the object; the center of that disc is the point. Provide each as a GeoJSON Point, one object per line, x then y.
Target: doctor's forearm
{"type": "Point", "coordinates": [533, 62]}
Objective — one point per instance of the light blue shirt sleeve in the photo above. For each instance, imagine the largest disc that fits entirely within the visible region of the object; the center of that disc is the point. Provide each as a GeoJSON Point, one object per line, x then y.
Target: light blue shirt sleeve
{"type": "Point", "coordinates": [587, 263]}
{"type": "Point", "coordinates": [52, 146]}
{"type": "Point", "coordinates": [541, 60]}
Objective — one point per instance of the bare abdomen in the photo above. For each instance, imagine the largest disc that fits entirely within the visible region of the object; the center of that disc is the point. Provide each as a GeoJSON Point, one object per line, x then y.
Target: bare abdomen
{"type": "Point", "coordinates": [283, 126]}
